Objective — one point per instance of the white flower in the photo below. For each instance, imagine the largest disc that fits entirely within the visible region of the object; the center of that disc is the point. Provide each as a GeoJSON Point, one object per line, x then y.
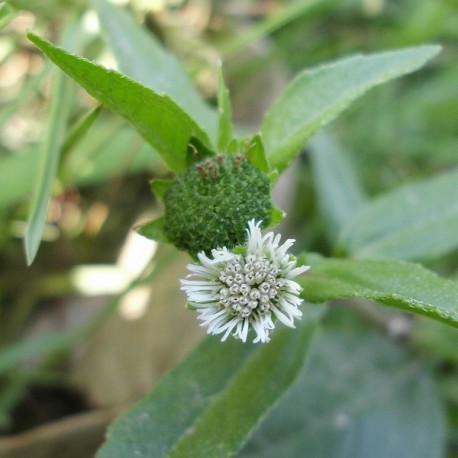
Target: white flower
{"type": "Point", "coordinates": [246, 288]}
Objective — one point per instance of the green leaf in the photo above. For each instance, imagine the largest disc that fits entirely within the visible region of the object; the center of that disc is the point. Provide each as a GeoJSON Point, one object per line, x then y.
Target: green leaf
{"type": "Point", "coordinates": [315, 97]}
{"type": "Point", "coordinates": [156, 116]}
{"type": "Point", "coordinates": [153, 230]}
{"type": "Point", "coordinates": [109, 150]}
{"type": "Point", "coordinates": [400, 284]}
{"type": "Point", "coordinates": [142, 58]}
{"type": "Point", "coordinates": [17, 174]}
{"type": "Point", "coordinates": [15, 354]}
{"type": "Point", "coordinates": [361, 396]}
{"type": "Point", "coordinates": [7, 14]}
{"type": "Point", "coordinates": [61, 101]}
{"type": "Point", "coordinates": [289, 13]}
{"type": "Point", "coordinates": [338, 191]}
{"type": "Point", "coordinates": [415, 221]}
{"type": "Point", "coordinates": [209, 404]}
{"type": "Point", "coordinates": [225, 113]}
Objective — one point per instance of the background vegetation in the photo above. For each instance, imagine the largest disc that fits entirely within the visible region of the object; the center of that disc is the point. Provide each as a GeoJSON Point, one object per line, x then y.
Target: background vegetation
{"type": "Point", "coordinates": [97, 318]}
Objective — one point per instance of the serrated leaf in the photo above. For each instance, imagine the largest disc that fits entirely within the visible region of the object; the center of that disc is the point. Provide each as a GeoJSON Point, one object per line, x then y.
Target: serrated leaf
{"type": "Point", "coordinates": [224, 112]}
{"type": "Point", "coordinates": [415, 221]}
{"type": "Point", "coordinates": [156, 116]}
{"type": "Point", "coordinates": [338, 191]}
{"type": "Point", "coordinates": [361, 396]}
{"type": "Point", "coordinates": [404, 285]}
{"type": "Point", "coordinates": [315, 97]}
{"type": "Point", "coordinates": [142, 58]}
{"type": "Point", "coordinates": [212, 400]}
{"type": "Point", "coordinates": [153, 230]}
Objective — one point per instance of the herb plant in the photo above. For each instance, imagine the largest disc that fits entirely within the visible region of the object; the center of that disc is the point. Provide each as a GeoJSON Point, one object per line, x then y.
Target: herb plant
{"type": "Point", "coordinates": [318, 380]}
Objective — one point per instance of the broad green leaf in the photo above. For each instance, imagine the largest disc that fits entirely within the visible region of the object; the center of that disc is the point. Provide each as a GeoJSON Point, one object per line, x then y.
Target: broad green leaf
{"type": "Point", "coordinates": [400, 284]}
{"type": "Point", "coordinates": [361, 396]}
{"type": "Point", "coordinates": [209, 404]}
{"type": "Point", "coordinates": [156, 116]}
{"type": "Point", "coordinates": [224, 112]}
{"type": "Point", "coordinates": [142, 58]}
{"type": "Point", "coordinates": [61, 101]}
{"type": "Point", "coordinates": [338, 191]}
{"type": "Point", "coordinates": [316, 96]}
{"type": "Point", "coordinates": [415, 221]}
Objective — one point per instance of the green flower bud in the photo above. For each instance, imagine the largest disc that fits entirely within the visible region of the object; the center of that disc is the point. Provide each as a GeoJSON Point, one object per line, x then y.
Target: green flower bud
{"type": "Point", "coordinates": [209, 205]}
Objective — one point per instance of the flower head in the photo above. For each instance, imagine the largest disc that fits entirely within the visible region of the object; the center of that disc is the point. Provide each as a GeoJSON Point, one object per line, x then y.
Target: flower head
{"type": "Point", "coordinates": [246, 288]}
{"type": "Point", "coordinates": [206, 205]}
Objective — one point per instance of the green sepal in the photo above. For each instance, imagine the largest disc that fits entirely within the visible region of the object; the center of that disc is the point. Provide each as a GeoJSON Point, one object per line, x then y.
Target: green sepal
{"type": "Point", "coordinates": [273, 176]}
{"type": "Point", "coordinates": [256, 155]}
{"type": "Point", "coordinates": [189, 306]}
{"type": "Point", "coordinates": [153, 230]}
{"type": "Point", "coordinates": [159, 186]}
{"type": "Point", "coordinates": [276, 217]}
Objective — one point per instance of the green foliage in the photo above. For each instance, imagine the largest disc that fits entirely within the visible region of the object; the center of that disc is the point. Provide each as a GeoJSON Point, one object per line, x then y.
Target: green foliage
{"type": "Point", "coordinates": [315, 97]}
{"type": "Point", "coordinates": [415, 221]}
{"type": "Point", "coordinates": [162, 122]}
{"type": "Point", "coordinates": [242, 385]}
{"type": "Point", "coordinates": [396, 283]}
{"type": "Point", "coordinates": [141, 57]}
{"type": "Point", "coordinates": [361, 394]}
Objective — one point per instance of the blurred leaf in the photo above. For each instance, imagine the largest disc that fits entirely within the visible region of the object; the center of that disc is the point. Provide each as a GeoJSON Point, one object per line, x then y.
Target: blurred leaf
{"type": "Point", "coordinates": [435, 338]}
{"type": "Point", "coordinates": [111, 149]}
{"type": "Point", "coordinates": [156, 117]}
{"type": "Point", "coordinates": [80, 129]}
{"type": "Point", "coordinates": [17, 173]}
{"type": "Point", "coordinates": [289, 13]}
{"type": "Point", "coordinates": [338, 190]}
{"type": "Point", "coordinates": [7, 14]}
{"type": "Point", "coordinates": [29, 89]}
{"type": "Point", "coordinates": [415, 221]}
{"type": "Point", "coordinates": [225, 113]}
{"type": "Point", "coordinates": [400, 284]}
{"type": "Point", "coordinates": [361, 396]}
{"type": "Point", "coordinates": [209, 404]}
{"type": "Point", "coordinates": [315, 97]}
{"type": "Point", "coordinates": [142, 58]}
{"type": "Point", "coordinates": [13, 355]}
{"type": "Point", "coordinates": [153, 230]}
{"type": "Point", "coordinates": [61, 101]}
